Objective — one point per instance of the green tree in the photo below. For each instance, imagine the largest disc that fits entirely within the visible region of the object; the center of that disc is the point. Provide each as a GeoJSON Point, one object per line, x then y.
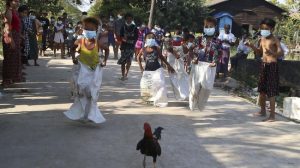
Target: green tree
{"type": "Point", "coordinates": [189, 13]}
{"type": "Point", "coordinates": [168, 13]}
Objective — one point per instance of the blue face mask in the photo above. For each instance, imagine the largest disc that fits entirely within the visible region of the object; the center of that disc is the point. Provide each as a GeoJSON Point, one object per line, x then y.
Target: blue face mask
{"type": "Point", "coordinates": [209, 31]}
{"type": "Point", "coordinates": [150, 43]}
{"type": "Point", "coordinates": [265, 33]}
{"type": "Point", "coordinates": [89, 34]}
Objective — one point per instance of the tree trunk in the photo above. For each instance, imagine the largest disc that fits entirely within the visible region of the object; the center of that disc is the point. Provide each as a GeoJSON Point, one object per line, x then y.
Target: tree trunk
{"type": "Point", "coordinates": [151, 14]}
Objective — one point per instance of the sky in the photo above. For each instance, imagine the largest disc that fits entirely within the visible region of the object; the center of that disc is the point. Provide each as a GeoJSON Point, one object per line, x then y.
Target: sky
{"type": "Point", "coordinates": [281, 1]}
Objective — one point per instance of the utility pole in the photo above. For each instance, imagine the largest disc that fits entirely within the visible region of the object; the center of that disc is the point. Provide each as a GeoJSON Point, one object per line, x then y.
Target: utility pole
{"type": "Point", "coordinates": [151, 14]}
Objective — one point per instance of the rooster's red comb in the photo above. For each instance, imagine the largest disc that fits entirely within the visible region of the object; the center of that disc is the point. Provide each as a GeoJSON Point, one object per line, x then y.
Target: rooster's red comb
{"type": "Point", "coordinates": [147, 128]}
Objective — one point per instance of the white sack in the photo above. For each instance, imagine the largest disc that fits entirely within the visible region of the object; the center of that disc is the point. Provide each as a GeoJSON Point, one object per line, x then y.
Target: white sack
{"type": "Point", "coordinates": [179, 80]}
{"type": "Point", "coordinates": [201, 83]}
{"type": "Point", "coordinates": [87, 84]}
{"type": "Point", "coordinates": [153, 88]}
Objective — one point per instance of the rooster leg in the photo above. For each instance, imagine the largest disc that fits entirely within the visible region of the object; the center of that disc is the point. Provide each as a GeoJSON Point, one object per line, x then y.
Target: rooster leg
{"type": "Point", "coordinates": [144, 161]}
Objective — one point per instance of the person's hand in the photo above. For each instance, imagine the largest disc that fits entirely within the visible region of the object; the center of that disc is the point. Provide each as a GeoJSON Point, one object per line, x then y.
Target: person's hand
{"type": "Point", "coordinates": [103, 64]}
{"type": "Point", "coordinates": [171, 69]}
{"type": "Point", "coordinates": [12, 44]}
{"type": "Point", "coordinates": [269, 52]}
{"type": "Point", "coordinates": [213, 64]}
{"type": "Point", "coordinates": [75, 61]}
{"type": "Point", "coordinates": [195, 61]}
{"type": "Point", "coordinates": [247, 43]}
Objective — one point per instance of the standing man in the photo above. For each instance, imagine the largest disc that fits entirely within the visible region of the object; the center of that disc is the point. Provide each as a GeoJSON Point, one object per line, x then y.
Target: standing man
{"type": "Point", "coordinates": [118, 23]}
{"type": "Point", "coordinates": [45, 24]}
{"type": "Point", "coordinates": [129, 35]}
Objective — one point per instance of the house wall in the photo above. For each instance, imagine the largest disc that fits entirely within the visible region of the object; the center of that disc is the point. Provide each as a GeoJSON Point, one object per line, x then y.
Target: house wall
{"type": "Point", "coordinates": [247, 12]}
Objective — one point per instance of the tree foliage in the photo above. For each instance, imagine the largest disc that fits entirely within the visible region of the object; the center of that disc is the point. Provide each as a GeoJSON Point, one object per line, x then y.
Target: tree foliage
{"type": "Point", "coordinates": [168, 13]}
{"type": "Point", "coordinates": [188, 13]}
{"type": "Point", "coordinates": [287, 28]}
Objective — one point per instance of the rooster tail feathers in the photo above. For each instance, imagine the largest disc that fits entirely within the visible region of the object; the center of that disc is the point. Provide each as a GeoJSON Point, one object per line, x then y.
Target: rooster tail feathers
{"type": "Point", "coordinates": [157, 132]}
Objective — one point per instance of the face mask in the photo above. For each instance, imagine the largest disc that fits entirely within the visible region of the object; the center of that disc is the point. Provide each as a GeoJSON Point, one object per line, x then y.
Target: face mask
{"type": "Point", "coordinates": [150, 43]}
{"type": "Point", "coordinates": [128, 24]}
{"type": "Point", "coordinates": [89, 34]}
{"type": "Point", "coordinates": [59, 22]}
{"type": "Point", "coordinates": [189, 45]}
{"type": "Point", "coordinates": [120, 17]}
{"type": "Point", "coordinates": [209, 31]}
{"type": "Point", "coordinates": [265, 33]}
{"type": "Point", "coordinates": [32, 17]}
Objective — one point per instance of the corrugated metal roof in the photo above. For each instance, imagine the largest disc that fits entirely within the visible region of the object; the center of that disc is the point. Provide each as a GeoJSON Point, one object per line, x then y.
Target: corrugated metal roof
{"type": "Point", "coordinates": [209, 3]}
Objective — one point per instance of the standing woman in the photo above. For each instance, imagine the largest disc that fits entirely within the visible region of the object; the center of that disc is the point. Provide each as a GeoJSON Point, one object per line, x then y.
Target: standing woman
{"type": "Point", "coordinates": [12, 70]}
{"type": "Point", "coordinates": [59, 39]}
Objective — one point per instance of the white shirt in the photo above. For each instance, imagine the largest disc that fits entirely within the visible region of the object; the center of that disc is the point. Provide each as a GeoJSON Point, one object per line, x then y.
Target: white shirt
{"type": "Point", "coordinates": [229, 37]}
{"type": "Point", "coordinates": [243, 48]}
{"type": "Point", "coordinates": [284, 48]}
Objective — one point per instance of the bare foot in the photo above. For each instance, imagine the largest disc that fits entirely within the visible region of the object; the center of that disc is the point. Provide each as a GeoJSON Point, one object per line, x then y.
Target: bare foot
{"type": "Point", "coordinates": [259, 114]}
{"type": "Point", "coordinates": [270, 119]}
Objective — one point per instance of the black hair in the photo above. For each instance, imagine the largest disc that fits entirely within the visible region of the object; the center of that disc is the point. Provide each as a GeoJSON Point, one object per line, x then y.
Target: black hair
{"type": "Point", "coordinates": [84, 13]}
{"type": "Point", "coordinates": [32, 12]}
{"type": "Point", "coordinates": [227, 25]}
{"type": "Point", "coordinates": [127, 15]}
{"type": "Point", "coordinates": [23, 8]}
{"type": "Point", "coordinates": [8, 2]}
{"type": "Point", "coordinates": [269, 22]}
{"type": "Point", "coordinates": [149, 34]}
{"type": "Point", "coordinates": [210, 19]}
{"type": "Point", "coordinates": [190, 36]}
{"type": "Point", "coordinates": [65, 13]}
{"type": "Point", "coordinates": [91, 20]}
{"type": "Point", "coordinates": [186, 30]}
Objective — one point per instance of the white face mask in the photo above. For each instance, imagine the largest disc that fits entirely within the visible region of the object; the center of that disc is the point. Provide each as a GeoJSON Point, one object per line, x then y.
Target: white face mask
{"type": "Point", "coordinates": [150, 43]}
{"type": "Point", "coordinates": [265, 33]}
{"type": "Point", "coordinates": [209, 31]}
{"type": "Point", "coordinates": [89, 34]}
{"type": "Point", "coordinates": [32, 17]}
{"type": "Point", "coordinates": [59, 22]}
{"type": "Point", "coordinates": [189, 45]}
{"type": "Point", "coordinates": [128, 24]}
{"type": "Point", "coordinates": [120, 17]}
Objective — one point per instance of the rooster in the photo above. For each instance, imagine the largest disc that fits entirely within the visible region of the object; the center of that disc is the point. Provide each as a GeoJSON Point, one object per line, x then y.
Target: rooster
{"type": "Point", "coordinates": [149, 145]}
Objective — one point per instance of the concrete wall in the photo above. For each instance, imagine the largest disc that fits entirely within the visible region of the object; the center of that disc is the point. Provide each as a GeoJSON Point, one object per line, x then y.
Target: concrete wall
{"type": "Point", "coordinates": [248, 71]}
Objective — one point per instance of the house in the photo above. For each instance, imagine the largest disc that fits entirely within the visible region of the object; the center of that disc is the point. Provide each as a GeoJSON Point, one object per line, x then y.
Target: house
{"type": "Point", "coordinates": [242, 15]}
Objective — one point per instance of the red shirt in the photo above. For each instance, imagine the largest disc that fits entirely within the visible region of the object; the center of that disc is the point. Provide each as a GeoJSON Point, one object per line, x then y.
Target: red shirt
{"type": "Point", "coordinates": [15, 22]}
